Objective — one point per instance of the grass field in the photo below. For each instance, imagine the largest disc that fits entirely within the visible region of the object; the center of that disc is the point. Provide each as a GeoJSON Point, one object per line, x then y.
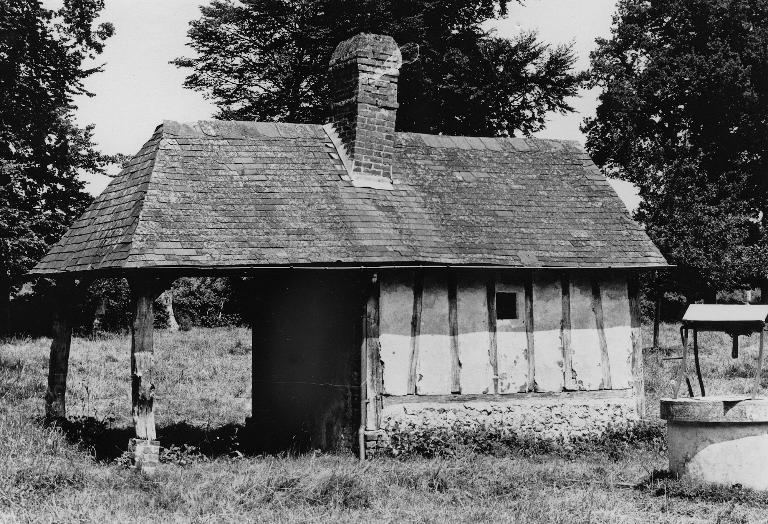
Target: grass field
{"type": "Point", "coordinates": [78, 473]}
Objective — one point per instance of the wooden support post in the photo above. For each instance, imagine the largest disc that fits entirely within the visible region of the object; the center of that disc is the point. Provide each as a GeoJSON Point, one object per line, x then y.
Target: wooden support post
{"type": "Point", "coordinates": [372, 348]}
{"type": "Point", "coordinates": [493, 349]}
{"type": "Point", "coordinates": [565, 334]}
{"type": "Point", "coordinates": [58, 365]}
{"type": "Point", "coordinates": [413, 364]}
{"type": "Point", "coordinates": [143, 294]}
{"type": "Point", "coordinates": [529, 332]}
{"type": "Point", "coordinates": [145, 449]}
{"type": "Point", "coordinates": [453, 328]}
{"type": "Point", "coordinates": [696, 360]}
{"type": "Point", "coordinates": [682, 371]}
{"type": "Point", "coordinates": [638, 381]}
{"type": "Point", "coordinates": [605, 362]}
{"type": "Point", "coordinates": [363, 386]}
{"type": "Point", "coordinates": [758, 373]}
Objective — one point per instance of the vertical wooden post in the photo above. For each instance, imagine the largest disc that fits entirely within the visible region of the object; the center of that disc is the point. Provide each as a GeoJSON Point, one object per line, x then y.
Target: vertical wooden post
{"type": "Point", "coordinates": [413, 364]}
{"type": "Point", "coordinates": [638, 381]}
{"type": "Point", "coordinates": [605, 361]}
{"type": "Point", "coordinates": [363, 385]}
{"type": "Point", "coordinates": [682, 371]}
{"type": "Point", "coordinates": [493, 349]}
{"type": "Point", "coordinates": [142, 356]}
{"type": "Point", "coordinates": [144, 449]}
{"type": "Point", "coordinates": [453, 328]}
{"type": "Point", "coordinates": [373, 351]}
{"type": "Point", "coordinates": [529, 331]}
{"type": "Point", "coordinates": [58, 365]}
{"type": "Point", "coordinates": [696, 361]}
{"type": "Point", "coordinates": [565, 334]}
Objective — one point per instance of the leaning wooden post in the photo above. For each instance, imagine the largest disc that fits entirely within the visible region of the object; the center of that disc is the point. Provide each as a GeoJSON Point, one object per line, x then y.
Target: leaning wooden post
{"type": "Point", "coordinates": [58, 365]}
{"type": "Point", "coordinates": [145, 449]}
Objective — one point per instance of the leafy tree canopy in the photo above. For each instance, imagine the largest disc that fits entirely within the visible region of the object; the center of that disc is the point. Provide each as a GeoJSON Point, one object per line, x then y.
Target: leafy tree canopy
{"type": "Point", "coordinates": [682, 115]}
{"type": "Point", "coordinates": [43, 53]}
{"type": "Point", "coordinates": [268, 60]}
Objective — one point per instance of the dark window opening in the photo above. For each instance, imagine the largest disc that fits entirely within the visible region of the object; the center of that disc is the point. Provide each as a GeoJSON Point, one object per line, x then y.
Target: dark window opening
{"type": "Point", "coordinates": [506, 306]}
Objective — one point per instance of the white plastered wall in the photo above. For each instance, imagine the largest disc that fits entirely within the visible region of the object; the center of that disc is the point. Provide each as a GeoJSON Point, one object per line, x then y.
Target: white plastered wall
{"type": "Point", "coordinates": [433, 362]}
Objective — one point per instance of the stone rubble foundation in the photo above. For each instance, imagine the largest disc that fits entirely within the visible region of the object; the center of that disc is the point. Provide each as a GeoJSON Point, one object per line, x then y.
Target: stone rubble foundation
{"type": "Point", "coordinates": [555, 420]}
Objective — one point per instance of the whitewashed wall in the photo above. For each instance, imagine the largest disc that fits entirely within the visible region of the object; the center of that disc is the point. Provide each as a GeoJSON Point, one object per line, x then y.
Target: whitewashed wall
{"type": "Point", "coordinates": [430, 353]}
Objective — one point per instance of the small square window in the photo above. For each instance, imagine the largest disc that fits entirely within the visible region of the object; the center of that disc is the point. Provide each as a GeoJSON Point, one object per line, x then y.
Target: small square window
{"type": "Point", "coordinates": [506, 306]}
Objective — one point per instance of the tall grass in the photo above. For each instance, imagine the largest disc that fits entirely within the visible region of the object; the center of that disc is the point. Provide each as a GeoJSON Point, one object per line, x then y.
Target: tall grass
{"type": "Point", "coordinates": [77, 473]}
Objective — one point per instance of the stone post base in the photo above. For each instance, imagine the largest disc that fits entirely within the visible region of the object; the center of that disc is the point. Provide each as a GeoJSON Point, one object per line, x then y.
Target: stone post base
{"type": "Point", "coordinates": [145, 454]}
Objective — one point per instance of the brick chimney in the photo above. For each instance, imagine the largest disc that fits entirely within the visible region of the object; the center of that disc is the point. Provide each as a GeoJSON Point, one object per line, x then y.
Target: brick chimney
{"type": "Point", "coordinates": [364, 71]}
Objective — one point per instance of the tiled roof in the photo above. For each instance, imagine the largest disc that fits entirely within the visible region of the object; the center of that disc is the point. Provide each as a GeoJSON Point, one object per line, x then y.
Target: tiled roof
{"type": "Point", "coordinates": [241, 194]}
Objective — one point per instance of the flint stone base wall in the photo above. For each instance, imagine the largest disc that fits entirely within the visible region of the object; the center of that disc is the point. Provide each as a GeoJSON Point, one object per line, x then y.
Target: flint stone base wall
{"type": "Point", "coordinates": [561, 420]}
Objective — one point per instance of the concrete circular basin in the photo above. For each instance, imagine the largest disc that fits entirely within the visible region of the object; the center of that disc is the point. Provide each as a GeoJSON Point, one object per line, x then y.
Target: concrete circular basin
{"type": "Point", "coordinates": [722, 439]}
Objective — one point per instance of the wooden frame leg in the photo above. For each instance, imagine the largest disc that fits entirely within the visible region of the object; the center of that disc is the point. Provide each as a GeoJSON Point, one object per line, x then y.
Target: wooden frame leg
{"type": "Point", "coordinates": [682, 372]}
{"type": "Point", "coordinates": [696, 361]}
{"type": "Point", "coordinates": [142, 357]}
{"type": "Point", "coordinates": [145, 449]}
{"type": "Point", "coordinates": [58, 365]}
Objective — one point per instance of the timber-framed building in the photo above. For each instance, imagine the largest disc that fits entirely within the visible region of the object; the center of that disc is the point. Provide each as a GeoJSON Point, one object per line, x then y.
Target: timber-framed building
{"type": "Point", "coordinates": [396, 276]}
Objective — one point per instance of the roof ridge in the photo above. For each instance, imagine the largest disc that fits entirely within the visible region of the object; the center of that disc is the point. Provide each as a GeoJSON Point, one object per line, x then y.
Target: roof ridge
{"type": "Point", "coordinates": [520, 144]}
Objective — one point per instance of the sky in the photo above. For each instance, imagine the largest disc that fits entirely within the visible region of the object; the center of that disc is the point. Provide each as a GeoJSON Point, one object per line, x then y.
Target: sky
{"type": "Point", "coordinates": [139, 88]}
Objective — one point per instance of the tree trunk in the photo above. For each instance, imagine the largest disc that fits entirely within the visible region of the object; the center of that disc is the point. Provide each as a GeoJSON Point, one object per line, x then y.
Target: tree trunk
{"type": "Point", "coordinates": [166, 298]}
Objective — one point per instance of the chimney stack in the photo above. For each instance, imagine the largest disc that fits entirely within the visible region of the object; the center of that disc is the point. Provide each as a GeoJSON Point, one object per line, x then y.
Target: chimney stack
{"type": "Point", "coordinates": [364, 72]}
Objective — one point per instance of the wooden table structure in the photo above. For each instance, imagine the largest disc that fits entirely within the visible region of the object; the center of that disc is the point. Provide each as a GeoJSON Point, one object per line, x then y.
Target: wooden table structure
{"type": "Point", "coordinates": [734, 319]}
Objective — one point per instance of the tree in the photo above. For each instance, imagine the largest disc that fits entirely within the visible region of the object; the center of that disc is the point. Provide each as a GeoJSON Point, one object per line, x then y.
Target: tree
{"type": "Point", "coordinates": [43, 53]}
{"type": "Point", "coordinates": [682, 115]}
{"type": "Point", "coordinates": [268, 60]}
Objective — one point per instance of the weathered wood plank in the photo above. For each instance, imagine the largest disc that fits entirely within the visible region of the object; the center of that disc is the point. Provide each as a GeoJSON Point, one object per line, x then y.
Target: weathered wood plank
{"type": "Point", "coordinates": [565, 333]}
{"type": "Point", "coordinates": [597, 308]}
{"type": "Point", "coordinates": [390, 400]}
{"type": "Point", "coordinates": [530, 356]}
{"type": "Point", "coordinates": [493, 349]}
{"type": "Point", "coordinates": [638, 384]}
{"type": "Point", "coordinates": [453, 326]}
{"type": "Point", "coordinates": [413, 365]}
{"type": "Point", "coordinates": [58, 365]}
{"type": "Point", "coordinates": [373, 353]}
{"type": "Point", "coordinates": [144, 290]}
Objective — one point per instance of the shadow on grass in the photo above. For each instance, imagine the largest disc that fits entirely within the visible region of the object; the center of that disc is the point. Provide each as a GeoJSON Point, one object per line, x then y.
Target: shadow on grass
{"type": "Point", "coordinates": [108, 443]}
{"type": "Point", "coordinates": [662, 483]}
